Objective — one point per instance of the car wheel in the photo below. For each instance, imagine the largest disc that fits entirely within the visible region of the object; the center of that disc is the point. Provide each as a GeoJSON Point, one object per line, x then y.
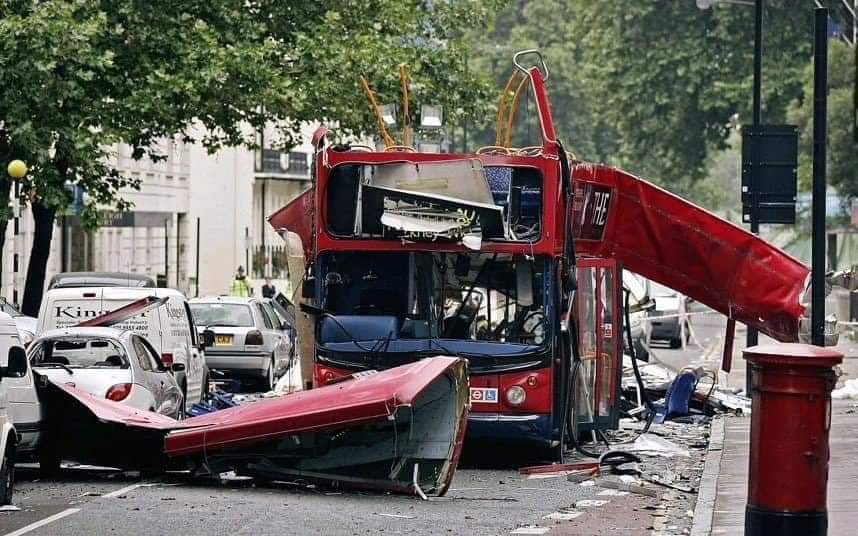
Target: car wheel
{"type": "Point", "coordinates": [269, 380]}
{"type": "Point", "coordinates": [7, 477]}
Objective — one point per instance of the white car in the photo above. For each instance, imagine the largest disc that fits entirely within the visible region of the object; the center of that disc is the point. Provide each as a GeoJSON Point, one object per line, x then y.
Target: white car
{"type": "Point", "coordinates": [26, 324]}
{"type": "Point", "coordinates": [112, 363]}
{"type": "Point", "coordinates": [169, 327]}
{"type": "Point", "coordinates": [13, 364]}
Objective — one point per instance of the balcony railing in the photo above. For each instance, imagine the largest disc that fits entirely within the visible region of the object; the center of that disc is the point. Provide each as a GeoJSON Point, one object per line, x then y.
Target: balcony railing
{"type": "Point", "coordinates": [269, 261]}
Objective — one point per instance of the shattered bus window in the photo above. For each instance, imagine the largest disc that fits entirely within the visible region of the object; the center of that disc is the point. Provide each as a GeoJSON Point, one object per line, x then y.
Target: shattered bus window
{"type": "Point", "coordinates": [423, 202]}
{"type": "Point", "coordinates": [429, 303]}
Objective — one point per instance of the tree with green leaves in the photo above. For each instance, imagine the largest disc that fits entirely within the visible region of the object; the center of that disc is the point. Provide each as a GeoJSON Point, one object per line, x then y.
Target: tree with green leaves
{"type": "Point", "coordinates": [657, 86]}
{"type": "Point", "coordinates": [82, 75]}
{"type": "Point", "coordinates": [842, 160]}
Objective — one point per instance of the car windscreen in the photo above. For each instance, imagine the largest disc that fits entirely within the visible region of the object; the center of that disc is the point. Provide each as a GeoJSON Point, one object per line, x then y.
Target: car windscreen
{"type": "Point", "coordinates": [225, 315]}
{"type": "Point", "coordinates": [80, 353]}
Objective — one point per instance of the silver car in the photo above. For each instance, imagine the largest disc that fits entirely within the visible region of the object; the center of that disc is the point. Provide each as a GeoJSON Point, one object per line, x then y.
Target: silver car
{"type": "Point", "coordinates": [112, 363]}
{"type": "Point", "coordinates": [249, 340]}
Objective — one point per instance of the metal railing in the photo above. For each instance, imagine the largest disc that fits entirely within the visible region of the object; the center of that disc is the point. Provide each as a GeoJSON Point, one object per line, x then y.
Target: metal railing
{"type": "Point", "coordinates": [293, 163]}
{"type": "Point", "coordinates": [269, 261]}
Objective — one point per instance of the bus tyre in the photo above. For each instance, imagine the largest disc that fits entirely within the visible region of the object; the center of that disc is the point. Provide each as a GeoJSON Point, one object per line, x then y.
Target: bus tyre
{"type": "Point", "coordinates": [7, 476]}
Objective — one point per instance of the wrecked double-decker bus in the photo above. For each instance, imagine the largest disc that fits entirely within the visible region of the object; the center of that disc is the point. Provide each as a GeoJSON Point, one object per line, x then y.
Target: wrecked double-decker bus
{"type": "Point", "coordinates": [409, 255]}
{"type": "Point", "coordinates": [405, 255]}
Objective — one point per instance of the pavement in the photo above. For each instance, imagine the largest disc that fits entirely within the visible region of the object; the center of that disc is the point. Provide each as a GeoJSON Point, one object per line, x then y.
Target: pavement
{"type": "Point", "coordinates": [720, 508]}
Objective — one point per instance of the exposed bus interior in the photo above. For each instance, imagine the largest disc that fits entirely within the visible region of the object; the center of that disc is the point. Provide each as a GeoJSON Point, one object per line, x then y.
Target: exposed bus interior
{"type": "Point", "coordinates": [417, 304]}
{"type": "Point", "coordinates": [454, 200]}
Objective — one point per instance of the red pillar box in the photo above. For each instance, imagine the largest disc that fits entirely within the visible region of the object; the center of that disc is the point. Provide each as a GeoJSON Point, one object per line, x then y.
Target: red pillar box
{"type": "Point", "coordinates": [790, 418]}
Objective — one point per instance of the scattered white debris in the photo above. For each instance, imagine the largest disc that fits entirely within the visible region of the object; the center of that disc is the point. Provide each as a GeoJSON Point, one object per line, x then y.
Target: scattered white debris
{"type": "Point", "coordinates": [9, 508]}
{"type": "Point", "coordinates": [590, 503]}
{"type": "Point", "coordinates": [230, 476]}
{"type": "Point", "coordinates": [849, 390]}
{"type": "Point", "coordinates": [531, 529]}
{"type": "Point", "coordinates": [588, 483]}
{"type": "Point", "coordinates": [657, 446]}
{"type": "Point", "coordinates": [563, 516]}
{"type": "Point", "coordinates": [291, 381]}
{"type": "Point", "coordinates": [398, 516]}
{"type": "Point", "coordinates": [613, 493]}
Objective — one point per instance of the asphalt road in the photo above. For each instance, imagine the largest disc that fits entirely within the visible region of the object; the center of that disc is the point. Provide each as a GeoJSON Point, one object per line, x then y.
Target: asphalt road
{"type": "Point", "coordinates": [482, 500]}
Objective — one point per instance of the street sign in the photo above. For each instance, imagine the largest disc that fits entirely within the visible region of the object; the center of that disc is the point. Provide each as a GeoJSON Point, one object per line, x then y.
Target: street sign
{"type": "Point", "coordinates": [769, 173]}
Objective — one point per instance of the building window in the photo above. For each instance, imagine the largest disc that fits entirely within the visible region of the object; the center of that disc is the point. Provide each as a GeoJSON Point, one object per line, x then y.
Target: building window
{"type": "Point", "coordinates": [279, 163]}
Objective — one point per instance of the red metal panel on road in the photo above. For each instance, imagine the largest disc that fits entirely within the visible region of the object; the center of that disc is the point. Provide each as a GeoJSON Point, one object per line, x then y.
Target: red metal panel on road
{"type": "Point", "coordinates": [673, 242]}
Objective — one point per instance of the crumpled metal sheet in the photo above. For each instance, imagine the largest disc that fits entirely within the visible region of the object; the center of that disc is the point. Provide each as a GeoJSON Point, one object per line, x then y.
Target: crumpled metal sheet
{"type": "Point", "coordinates": [298, 216]}
{"type": "Point", "coordinates": [680, 245]}
{"type": "Point", "coordinates": [399, 430]}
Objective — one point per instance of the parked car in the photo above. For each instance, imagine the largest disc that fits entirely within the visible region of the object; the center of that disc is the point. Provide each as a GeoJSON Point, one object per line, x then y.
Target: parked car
{"type": "Point", "coordinates": [639, 303]}
{"type": "Point", "coordinates": [100, 279]}
{"type": "Point", "coordinates": [667, 303]}
{"type": "Point", "coordinates": [284, 320]}
{"type": "Point", "coordinates": [13, 364]}
{"type": "Point", "coordinates": [248, 340]}
{"type": "Point", "coordinates": [169, 328]}
{"type": "Point", "coordinates": [115, 364]}
{"type": "Point", "coordinates": [26, 324]}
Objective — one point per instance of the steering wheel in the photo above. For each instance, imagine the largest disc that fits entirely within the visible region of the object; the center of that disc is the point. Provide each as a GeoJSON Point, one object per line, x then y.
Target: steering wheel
{"type": "Point", "coordinates": [533, 327]}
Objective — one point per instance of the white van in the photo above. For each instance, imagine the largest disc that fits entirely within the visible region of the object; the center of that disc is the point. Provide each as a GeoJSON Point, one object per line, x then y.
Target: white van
{"type": "Point", "coordinates": [13, 365]}
{"type": "Point", "coordinates": [170, 328]}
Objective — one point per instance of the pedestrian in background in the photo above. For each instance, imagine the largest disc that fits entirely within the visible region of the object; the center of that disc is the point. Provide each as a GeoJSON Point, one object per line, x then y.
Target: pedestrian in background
{"type": "Point", "coordinates": [240, 287]}
{"type": "Point", "coordinates": [268, 290]}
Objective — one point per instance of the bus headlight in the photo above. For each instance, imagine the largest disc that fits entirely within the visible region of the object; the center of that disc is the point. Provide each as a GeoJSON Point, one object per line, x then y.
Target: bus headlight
{"type": "Point", "coordinates": [516, 395]}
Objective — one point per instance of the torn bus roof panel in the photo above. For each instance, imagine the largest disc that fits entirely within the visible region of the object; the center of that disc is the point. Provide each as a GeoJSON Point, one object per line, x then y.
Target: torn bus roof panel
{"type": "Point", "coordinates": [399, 430]}
{"type": "Point", "coordinates": [297, 217]}
{"type": "Point", "coordinates": [680, 245]}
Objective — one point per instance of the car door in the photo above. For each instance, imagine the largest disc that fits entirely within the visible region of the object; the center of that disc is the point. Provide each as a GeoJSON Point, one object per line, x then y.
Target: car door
{"type": "Point", "coordinates": [197, 362]}
{"type": "Point", "coordinates": [169, 398]}
{"type": "Point", "coordinates": [272, 337]}
{"type": "Point", "coordinates": [149, 376]}
{"type": "Point", "coordinates": [285, 344]}
{"type": "Point", "coordinates": [24, 406]}
{"type": "Point", "coordinates": [286, 310]}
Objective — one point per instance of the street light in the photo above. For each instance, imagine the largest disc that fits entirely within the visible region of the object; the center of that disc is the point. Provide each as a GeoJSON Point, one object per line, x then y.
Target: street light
{"type": "Point", "coordinates": [431, 116]}
{"type": "Point", "coordinates": [388, 114]}
{"type": "Point", "coordinates": [17, 169]}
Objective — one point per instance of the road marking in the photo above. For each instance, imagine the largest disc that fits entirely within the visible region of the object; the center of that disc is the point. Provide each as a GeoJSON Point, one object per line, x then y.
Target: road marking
{"type": "Point", "coordinates": [531, 530]}
{"type": "Point", "coordinates": [123, 491]}
{"type": "Point", "coordinates": [43, 522]}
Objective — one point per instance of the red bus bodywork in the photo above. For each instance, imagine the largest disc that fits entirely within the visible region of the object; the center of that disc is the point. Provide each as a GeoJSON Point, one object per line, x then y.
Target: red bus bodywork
{"type": "Point", "coordinates": [607, 214]}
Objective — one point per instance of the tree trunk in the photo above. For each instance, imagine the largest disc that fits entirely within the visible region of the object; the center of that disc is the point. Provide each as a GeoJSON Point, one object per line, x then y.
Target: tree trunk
{"type": "Point", "coordinates": [43, 234]}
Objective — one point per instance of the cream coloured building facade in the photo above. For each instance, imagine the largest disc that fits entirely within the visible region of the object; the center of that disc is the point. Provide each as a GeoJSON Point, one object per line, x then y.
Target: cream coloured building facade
{"type": "Point", "coordinates": [230, 194]}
